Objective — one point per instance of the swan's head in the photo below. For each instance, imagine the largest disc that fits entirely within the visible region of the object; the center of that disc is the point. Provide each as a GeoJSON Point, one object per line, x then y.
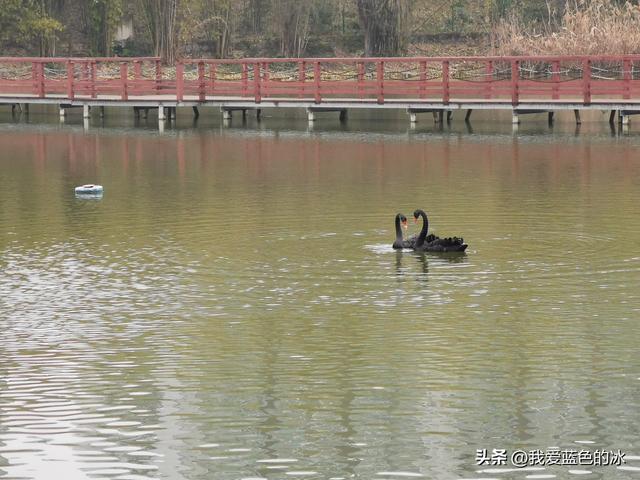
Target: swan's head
{"type": "Point", "coordinates": [416, 215]}
{"type": "Point", "coordinates": [403, 221]}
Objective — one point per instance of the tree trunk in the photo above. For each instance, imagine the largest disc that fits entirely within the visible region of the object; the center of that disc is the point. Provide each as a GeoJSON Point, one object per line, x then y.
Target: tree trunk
{"type": "Point", "coordinates": [383, 22]}
{"type": "Point", "coordinates": [293, 17]}
{"type": "Point", "coordinates": [161, 21]}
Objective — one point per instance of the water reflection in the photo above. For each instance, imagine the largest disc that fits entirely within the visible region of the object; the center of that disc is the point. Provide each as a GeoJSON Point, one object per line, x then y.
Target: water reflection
{"type": "Point", "coordinates": [233, 308]}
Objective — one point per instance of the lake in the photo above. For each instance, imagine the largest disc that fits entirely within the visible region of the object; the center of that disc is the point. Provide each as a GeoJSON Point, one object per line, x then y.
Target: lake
{"type": "Point", "coordinates": [232, 308]}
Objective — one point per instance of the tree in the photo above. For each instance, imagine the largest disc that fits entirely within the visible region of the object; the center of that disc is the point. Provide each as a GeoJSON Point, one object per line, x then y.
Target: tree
{"type": "Point", "coordinates": [207, 26]}
{"type": "Point", "coordinates": [291, 22]}
{"type": "Point", "coordinates": [104, 17]}
{"type": "Point", "coordinates": [161, 20]}
{"type": "Point", "coordinates": [383, 22]}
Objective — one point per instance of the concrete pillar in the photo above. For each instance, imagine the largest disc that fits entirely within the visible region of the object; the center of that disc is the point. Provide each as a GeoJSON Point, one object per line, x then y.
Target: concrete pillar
{"type": "Point", "coordinates": [550, 117]}
{"type": "Point", "coordinates": [25, 108]}
{"type": "Point", "coordinates": [85, 123]}
{"type": "Point", "coordinates": [577, 115]}
{"type": "Point", "coordinates": [258, 114]}
{"type": "Point", "coordinates": [468, 115]}
{"type": "Point", "coordinates": [63, 112]}
{"type": "Point", "coordinates": [413, 117]}
{"type": "Point", "coordinates": [311, 116]}
{"type": "Point", "coordinates": [102, 112]}
{"type": "Point", "coordinates": [244, 114]}
{"type": "Point", "coordinates": [343, 115]}
{"type": "Point", "coordinates": [226, 114]}
{"type": "Point", "coordinates": [449, 115]}
{"type": "Point", "coordinates": [625, 119]}
{"type": "Point", "coordinates": [161, 113]}
{"type": "Point", "coordinates": [515, 120]}
{"type": "Point", "coordinates": [86, 111]}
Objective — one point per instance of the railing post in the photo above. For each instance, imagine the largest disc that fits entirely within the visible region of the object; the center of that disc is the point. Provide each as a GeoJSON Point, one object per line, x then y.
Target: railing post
{"type": "Point", "coordinates": [93, 75]}
{"type": "Point", "coordinates": [302, 76]}
{"type": "Point", "coordinates": [445, 82]}
{"type": "Point", "coordinates": [124, 74]}
{"type": "Point", "coordinates": [245, 79]}
{"type": "Point", "coordinates": [555, 78]}
{"type": "Point", "coordinates": [201, 83]}
{"type": "Point", "coordinates": [380, 80]}
{"type": "Point", "coordinates": [316, 81]}
{"type": "Point", "coordinates": [137, 73]}
{"type": "Point", "coordinates": [627, 70]}
{"type": "Point", "coordinates": [515, 82]}
{"type": "Point", "coordinates": [423, 79]}
{"type": "Point", "coordinates": [35, 72]}
{"type": "Point", "coordinates": [70, 75]}
{"type": "Point", "coordinates": [158, 75]}
{"type": "Point", "coordinates": [488, 77]}
{"type": "Point", "coordinates": [179, 81]}
{"type": "Point", "coordinates": [586, 80]}
{"type": "Point", "coordinates": [41, 80]}
{"type": "Point", "coordinates": [212, 78]}
{"type": "Point", "coordinates": [256, 79]}
{"type": "Point", "coordinates": [360, 79]}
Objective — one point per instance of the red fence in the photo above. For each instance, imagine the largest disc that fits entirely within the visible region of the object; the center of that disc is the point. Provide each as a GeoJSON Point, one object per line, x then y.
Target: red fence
{"type": "Point", "coordinates": [581, 79]}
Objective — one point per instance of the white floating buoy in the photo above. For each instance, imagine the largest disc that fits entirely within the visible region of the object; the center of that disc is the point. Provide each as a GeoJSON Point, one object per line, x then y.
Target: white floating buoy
{"type": "Point", "coordinates": [89, 189]}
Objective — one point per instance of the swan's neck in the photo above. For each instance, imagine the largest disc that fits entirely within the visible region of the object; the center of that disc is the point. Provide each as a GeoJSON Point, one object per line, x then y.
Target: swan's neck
{"type": "Point", "coordinates": [425, 229]}
{"type": "Point", "coordinates": [398, 229]}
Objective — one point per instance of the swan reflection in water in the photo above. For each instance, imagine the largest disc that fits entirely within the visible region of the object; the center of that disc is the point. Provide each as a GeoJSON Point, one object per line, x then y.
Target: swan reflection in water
{"type": "Point", "coordinates": [421, 260]}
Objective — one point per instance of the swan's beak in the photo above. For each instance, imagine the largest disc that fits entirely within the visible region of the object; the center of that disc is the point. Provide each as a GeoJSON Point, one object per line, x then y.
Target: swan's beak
{"type": "Point", "coordinates": [404, 225]}
{"type": "Point", "coordinates": [415, 220]}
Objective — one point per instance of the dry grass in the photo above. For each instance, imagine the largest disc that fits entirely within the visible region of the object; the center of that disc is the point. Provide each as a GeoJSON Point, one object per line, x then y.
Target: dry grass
{"type": "Point", "coordinates": [589, 27]}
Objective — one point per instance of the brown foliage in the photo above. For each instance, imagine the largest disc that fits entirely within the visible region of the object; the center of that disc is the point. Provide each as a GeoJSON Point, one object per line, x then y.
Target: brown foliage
{"type": "Point", "coordinates": [590, 27]}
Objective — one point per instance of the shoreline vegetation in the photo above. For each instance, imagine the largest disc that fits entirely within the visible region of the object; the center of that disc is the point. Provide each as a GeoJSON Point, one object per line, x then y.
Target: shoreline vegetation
{"type": "Point", "coordinates": [173, 29]}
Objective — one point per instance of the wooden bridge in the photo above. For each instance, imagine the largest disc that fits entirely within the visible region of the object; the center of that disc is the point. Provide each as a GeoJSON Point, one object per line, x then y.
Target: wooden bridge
{"type": "Point", "coordinates": [441, 85]}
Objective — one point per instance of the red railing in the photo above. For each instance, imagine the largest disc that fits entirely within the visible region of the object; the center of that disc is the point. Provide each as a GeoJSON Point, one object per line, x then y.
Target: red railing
{"type": "Point", "coordinates": [578, 79]}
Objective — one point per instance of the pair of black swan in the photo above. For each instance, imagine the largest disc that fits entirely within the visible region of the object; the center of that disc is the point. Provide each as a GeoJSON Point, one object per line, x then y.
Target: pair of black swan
{"type": "Point", "coordinates": [423, 242]}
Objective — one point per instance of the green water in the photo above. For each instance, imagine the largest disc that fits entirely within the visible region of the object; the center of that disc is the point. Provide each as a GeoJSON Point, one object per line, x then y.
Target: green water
{"type": "Point", "coordinates": [232, 308]}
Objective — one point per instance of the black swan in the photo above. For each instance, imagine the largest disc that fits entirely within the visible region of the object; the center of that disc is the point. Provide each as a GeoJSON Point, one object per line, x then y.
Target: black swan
{"type": "Point", "coordinates": [400, 242]}
{"type": "Point", "coordinates": [432, 243]}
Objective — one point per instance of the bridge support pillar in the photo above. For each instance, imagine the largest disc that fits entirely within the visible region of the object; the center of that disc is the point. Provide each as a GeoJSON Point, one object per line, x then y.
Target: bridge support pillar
{"type": "Point", "coordinates": [161, 113]}
{"type": "Point", "coordinates": [63, 112]}
{"type": "Point", "coordinates": [226, 114]}
{"type": "Point", "coordinates": [86, 111]}
{"type": "Point", "coordinates": [468, 115]}
{"type": "Point", "coordinates": [577, 115]}
{"type": "Point", "coordinates": [515, 119]}
{"type": "Point", "coordinates": [311, 115]}
{"type": "Point", "coordinates": [258, 114]}
{"type": "Point", "coordinates": [624, 119]}
{"type": "Point", "coordinates": [413, 117]}
{"type": "Point", "coordinates": [550, 118]}
{"type": "Point", "coordinates": [343, 115]}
